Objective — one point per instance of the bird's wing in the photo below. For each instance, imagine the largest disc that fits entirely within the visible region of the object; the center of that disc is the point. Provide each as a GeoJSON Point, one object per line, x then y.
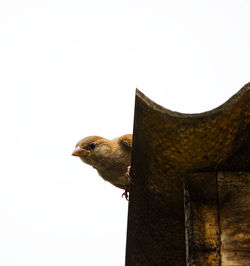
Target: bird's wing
{"type": "Point", "coordinates": [126, 140]}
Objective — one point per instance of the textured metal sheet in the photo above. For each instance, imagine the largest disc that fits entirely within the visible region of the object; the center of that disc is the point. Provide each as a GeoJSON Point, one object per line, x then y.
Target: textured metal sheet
{"type": "Point", "coordinates": [167, 148]}
{"type": "Point", "coordinates": [234, 205]}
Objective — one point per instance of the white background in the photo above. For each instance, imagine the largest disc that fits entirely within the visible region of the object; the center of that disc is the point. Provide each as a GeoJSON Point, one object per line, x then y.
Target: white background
{"type": "Point", "coordinates": [69, 69]}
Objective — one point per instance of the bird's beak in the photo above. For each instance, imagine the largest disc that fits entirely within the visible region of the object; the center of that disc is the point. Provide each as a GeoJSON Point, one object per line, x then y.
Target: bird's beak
{"type": "Point", "coordinates": [80, 152]}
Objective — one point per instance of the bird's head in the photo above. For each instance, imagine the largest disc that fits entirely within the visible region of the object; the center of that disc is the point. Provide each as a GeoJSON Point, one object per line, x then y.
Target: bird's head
{"type": "Point", "coordinates": [93, 150]}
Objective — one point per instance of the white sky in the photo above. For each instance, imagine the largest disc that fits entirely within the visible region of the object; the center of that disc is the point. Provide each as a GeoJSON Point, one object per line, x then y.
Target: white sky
{"type": "Point", "coordinates": [69, 69]}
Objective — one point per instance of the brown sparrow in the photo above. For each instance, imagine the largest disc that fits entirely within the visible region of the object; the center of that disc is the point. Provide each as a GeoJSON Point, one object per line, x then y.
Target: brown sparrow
{"type": "Point", "coordinates": [111, 158]}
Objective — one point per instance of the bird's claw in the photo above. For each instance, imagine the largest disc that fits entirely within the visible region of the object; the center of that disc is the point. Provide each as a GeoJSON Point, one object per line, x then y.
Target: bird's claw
{"type": "Point", "coordinates": [127, 174]}
{"type": "Point", "coordinates": [125, 194]}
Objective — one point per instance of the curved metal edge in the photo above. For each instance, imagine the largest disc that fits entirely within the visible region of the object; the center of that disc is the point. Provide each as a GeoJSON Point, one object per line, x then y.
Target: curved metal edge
{"type": "Point", "coordinates": [226, 105]}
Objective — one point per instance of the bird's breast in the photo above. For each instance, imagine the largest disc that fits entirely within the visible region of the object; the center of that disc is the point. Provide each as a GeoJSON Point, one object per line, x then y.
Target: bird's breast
{"type": "Point", "coordinates": [116, 177]}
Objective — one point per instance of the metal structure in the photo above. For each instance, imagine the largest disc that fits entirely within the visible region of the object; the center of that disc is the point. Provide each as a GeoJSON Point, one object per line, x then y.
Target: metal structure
{"type": "Point", "coordinates": [190, 194]}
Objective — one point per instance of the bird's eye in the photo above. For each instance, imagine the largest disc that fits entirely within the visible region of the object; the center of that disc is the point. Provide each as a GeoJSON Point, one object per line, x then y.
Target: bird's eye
{"type": "Point", "coordinates": [92, 146]}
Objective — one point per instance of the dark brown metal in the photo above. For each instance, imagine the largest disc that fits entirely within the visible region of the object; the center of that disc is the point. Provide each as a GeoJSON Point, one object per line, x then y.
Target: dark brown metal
{"type": "Point", "coordinates": [172, 150]}
{"type": "Point", "coordinates": [202, 219]}
{"type": "Point", "coordinates": [234, 206]}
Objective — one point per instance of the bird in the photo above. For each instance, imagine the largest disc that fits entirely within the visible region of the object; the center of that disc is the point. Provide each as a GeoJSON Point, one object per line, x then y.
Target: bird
{"type": "Point", "coordinates": [111, 158]}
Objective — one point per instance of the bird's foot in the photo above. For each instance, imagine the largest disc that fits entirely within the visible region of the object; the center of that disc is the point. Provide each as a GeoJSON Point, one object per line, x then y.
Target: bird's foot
{"type": "Point", "coordinates": [127, 174]}
{"type": "Point", "coordinates": [125, 194]}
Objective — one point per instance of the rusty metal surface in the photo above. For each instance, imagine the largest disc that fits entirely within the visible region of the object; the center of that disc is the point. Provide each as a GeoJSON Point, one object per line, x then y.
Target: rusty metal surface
{"type": "Point", "coordinates": [234, 205]}
{"type": "Point", "coordinates": [202, 219]}
{"type": "Point", "coordinates": [217, 139]}
{"type": "Point", "coordinates": [168, 146]}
